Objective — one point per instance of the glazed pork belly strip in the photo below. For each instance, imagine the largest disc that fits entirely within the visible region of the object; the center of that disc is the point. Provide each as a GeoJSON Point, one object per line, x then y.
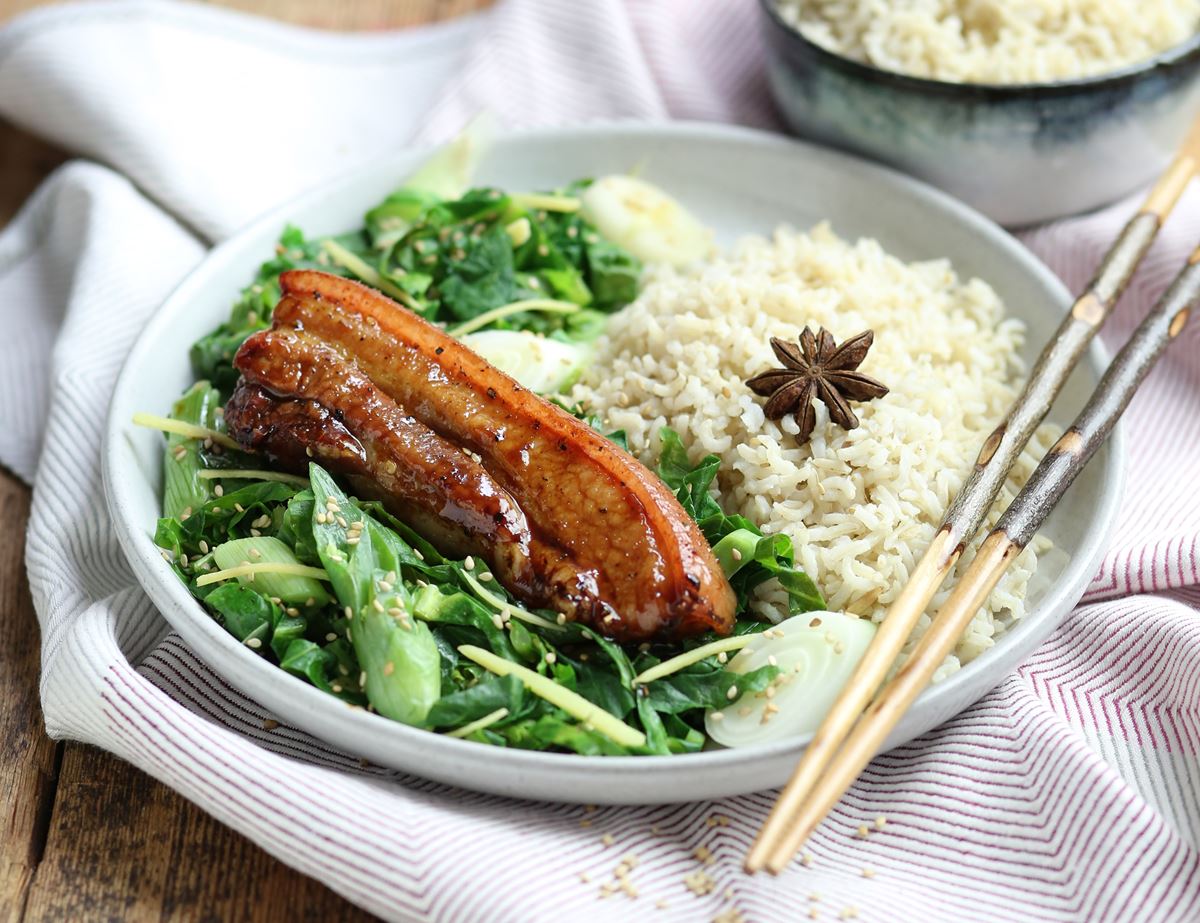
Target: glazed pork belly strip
{"type": "Point", "coordinates": [300, 398]}
{"type": "Point", "coordinates": [640, 567]}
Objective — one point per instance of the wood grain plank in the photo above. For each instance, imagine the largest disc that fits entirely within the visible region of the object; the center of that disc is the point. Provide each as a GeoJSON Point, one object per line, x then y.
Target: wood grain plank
{"type": "Point", "coordinates": [28, 758]}
{"type": "Point", "coordinates": [24, 162]}
{"type": "Point", "coordinates": [121, 846]}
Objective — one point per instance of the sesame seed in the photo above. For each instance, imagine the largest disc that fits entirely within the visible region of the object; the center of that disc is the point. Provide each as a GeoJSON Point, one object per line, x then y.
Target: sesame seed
{"type": "Point", "coordinates": [219, 490]}
{"type": "Point", "coordinates": [362, 678]}
{"type": "Point", "coordinates": [862, 831]}
{"type": "Point", "coordinates": [254, 533]}
{"type": "Point", "coordinates": [661, 905]}
{"type": "Point", "coordinates": [815, 623]}
{"type": "Point", "coordinates": [815, 896]}
{"type": "Point", "coordinates": [561, 619]}
{"type": "Point", "coordinates": [868, 872]}
{"type": "Point", "coordinates": [717, 716]}
{"type": "Point", "coordinates": [585, 822]}
{"type": "Point", "coordinates": [773, 660]}
{"type": "Point", "coordinates": [237, 507]}
{"type": "Point", "coordinates": [736, 554]}
{"type": "Point", "coordinates": [376, 605]}
{"type": "Point", "coordinates": [331, 636]}
{"type": "Point", "coordinates": [292, 611]}
{"type": "Point", "coordinates": [585, 877]}
{"type": "Point", "coordinates": [349, 613]}
{"type": "Point", "coordinates": [484, 578]}
{"type": "Point", "coordinates": [880, 822]}
{"type": "Point", "coordinates": [255, 553]}
{"type": "Point", "coordinates": [384, 586]}
{"type": "Point", "coordinates": [806, 860]}
{"type": "Point", "coordinates": [269, 724]}
{"type": "Point", "coordinates": [699, 883]}
{"type": "Point", "coordinates": [320, 518]}
{"type": "Point", "coordinates": [183, 560]}
{"type": "Point", "coordinates": [254, 643]}
{"type": "Point", "coordinates": [497, 621]}
{"type": "Point", "coordinates": [850, 913]}
{"type": "Point", "coordinates": [469, 563]}
{"type": "Point", "coordinates": [744, 711]}
{"type": "Point", "coordinates": [813, 913]}
{"type": "Point", "coordinates": [703, 855]}
{"type": "Point", "coordinates": [341, 521]}
{"type": "Point", "coordinates": [732, 693]}
{"type": "Point", "coordinates": [336, 688]}
{"type": "Point", "coordinates": [607, 839]}
{"type": "Point", "coordinates": [551, 657]}
{"type": "Point", "coordinates": [311, 601]}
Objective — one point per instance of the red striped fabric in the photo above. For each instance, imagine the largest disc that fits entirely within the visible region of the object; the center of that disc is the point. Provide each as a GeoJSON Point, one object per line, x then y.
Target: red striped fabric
{"type": "Point", "coordinates": [1070, 793]}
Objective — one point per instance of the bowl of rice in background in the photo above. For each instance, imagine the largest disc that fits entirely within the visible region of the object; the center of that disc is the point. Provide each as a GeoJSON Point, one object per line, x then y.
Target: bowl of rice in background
{"type": "Point", "coordinates": [1027, 110]}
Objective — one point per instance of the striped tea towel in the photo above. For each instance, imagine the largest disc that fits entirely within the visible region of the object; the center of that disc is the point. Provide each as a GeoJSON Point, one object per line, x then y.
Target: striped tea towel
{"type": "Point", "coordinates": [1072, 792]}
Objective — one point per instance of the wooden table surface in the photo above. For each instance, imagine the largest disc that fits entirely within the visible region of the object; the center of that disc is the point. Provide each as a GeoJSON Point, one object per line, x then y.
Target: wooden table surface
{"type": "Point", "coordinates": [83, 835]}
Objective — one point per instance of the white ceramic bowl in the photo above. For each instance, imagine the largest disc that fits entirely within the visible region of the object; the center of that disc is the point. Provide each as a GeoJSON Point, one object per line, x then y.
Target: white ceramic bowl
{"type": "Point", "coordinates": [738, 181]}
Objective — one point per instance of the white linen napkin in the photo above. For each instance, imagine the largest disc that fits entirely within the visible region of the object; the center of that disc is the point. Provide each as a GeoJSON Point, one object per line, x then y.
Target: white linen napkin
{"type": "Point", "coordinates": [1072, 792]}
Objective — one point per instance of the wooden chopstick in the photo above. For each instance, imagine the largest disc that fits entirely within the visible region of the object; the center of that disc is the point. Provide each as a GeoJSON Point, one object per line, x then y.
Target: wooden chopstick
{"type": "Point", "coordinates": [966, 514]}
{"type": "Point", "coordinates": [1013, 532]}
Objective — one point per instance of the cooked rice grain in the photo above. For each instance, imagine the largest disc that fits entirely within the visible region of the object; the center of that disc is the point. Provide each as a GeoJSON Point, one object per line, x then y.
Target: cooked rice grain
{"type": "Point", "coordinates": [860, 506]}
{"type": "Point", "coordinates": [996, 41]}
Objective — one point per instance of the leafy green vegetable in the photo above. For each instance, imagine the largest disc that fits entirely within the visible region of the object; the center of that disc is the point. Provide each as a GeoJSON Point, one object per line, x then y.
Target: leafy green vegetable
{"type": "Point", "coordinates": [183, 488]}
{"type": "Point", "coordinates": [483, 698]}
{"type": "Point", "coordinates": [397, 654]}
{"type": "Point", "coordinates": [761, 556]}
{"type": "Point", "coordinates": [212, 355]}
{"type": "Point", "coordinates": [265, 549]}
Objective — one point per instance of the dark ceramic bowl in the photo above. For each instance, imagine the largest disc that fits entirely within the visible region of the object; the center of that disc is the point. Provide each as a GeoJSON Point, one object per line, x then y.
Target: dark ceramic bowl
{"type": "Point", "coordinates": [1021, 153]}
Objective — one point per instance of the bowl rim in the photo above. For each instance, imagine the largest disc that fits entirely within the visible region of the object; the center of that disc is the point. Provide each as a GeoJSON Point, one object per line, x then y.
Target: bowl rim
{"type": "Point", "coordinates": [176, 603]}
{"type": "Point", "coordinates": [1184, 53]}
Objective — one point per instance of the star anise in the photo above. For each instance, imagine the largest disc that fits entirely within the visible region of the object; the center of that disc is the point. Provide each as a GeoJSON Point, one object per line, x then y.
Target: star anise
{"type": "Point", "coordinates": [817, 368]}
